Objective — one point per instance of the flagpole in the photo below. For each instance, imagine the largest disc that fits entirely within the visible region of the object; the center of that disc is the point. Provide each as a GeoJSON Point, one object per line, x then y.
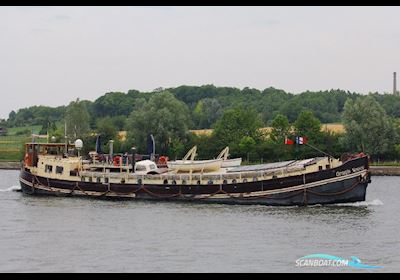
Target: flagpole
{"type": "Point", "coordinates": [315, 148]}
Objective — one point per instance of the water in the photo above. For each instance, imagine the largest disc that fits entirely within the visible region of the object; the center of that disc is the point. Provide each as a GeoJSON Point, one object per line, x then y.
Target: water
{"type": "Point", "coordinates": [51, 234]}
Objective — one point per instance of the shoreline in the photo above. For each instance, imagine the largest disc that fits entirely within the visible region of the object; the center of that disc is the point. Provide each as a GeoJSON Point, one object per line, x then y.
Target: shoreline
{"type": "Point", "coordinates": [385, 170]}
{"type": "Point", "coordinates": [10, 165]}
{"type": "Point", "coordinates": [375, 170]}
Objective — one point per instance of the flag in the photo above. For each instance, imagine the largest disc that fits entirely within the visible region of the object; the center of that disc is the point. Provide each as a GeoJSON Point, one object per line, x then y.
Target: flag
{"type": "Point", "coordinates": [288, 141]}
{"type": "Point", "coordinates": [301, 140]}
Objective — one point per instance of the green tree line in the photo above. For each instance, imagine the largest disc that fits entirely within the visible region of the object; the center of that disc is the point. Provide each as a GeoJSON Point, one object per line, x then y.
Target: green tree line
{"type": "Point", "coordinates": [235, 115]}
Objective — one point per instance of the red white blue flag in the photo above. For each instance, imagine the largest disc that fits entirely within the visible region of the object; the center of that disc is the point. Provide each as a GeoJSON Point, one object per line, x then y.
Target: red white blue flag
{"type": "Point", "coordinates": [301, 140]}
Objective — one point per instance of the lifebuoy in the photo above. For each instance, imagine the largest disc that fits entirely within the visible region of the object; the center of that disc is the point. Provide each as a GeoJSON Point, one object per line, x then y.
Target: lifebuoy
{"type": "Point", "coordinates": [163, 160]}
{"type": "Point", "coordinates": [117, 161]}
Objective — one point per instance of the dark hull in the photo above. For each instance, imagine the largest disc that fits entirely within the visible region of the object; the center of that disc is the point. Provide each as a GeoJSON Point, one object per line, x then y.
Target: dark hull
{"type": "Point", "coordinates": [323, 187]}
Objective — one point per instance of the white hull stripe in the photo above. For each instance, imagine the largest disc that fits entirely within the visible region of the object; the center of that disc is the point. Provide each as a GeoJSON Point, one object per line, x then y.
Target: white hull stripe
{"type": "Point", "coordinates": [241, 195]}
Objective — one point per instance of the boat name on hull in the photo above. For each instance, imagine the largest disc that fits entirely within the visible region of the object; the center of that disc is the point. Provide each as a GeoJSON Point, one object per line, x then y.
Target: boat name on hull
{"type": "Point", "coordinates": [348, 171]}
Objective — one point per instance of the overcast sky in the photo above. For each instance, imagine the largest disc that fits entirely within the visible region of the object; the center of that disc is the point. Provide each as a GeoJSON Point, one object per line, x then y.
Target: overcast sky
{"type": "Point", "coordinates": [52, 55]}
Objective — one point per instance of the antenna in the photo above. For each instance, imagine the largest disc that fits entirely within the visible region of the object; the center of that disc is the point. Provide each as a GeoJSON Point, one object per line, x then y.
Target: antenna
{"type": "Point", "coordinates": [154, 147]}
{"type": "Point", "coordinates": [66, 137]}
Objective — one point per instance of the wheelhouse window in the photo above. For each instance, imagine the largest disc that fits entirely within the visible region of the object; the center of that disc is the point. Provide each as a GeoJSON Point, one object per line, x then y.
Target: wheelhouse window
{"type": "Point", "coordinates": [48, 168]}
{"type": "Point", "coordinates": [59, 169]}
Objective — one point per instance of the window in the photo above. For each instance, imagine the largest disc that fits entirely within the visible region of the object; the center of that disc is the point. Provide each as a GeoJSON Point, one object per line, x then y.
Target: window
{"type": "Point", "coordinates": [59, 169]}
{"type": "Point", "coordinates": [153, 167]}
{"type": "Point", "coordinates": [165, 182]}
{"type": "Point", "coordinates": [140, 168]}
{"type": "Point", "coordinates": [98, 180]}
{"type": "Point", "coordinates": [139, 181]}
{"type": "Point", "coordinates": [245, 180]}
{"type": "Point", "coordinates": [234, 181]}
{"type": "Point", "coordinates": [48, 168]}
{"type": "Point", "coordinates": [183, 182]}
{"type": "Point", "coordinates": [225, 182]}
{"type": "Point", "coordinates": [173, 182]}
{"type": "Point", "coordinates": [210, 182]}
{"type": "Point", "coordinates": [320, 167]}
{"type": "Point", "coordinates": [327, 166]}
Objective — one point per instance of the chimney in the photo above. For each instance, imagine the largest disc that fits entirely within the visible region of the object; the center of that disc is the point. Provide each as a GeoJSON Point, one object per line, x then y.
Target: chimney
{"type": "Point", "coordinates": [394, 84]}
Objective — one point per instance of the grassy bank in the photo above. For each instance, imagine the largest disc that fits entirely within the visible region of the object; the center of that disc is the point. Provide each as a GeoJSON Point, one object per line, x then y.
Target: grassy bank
{"type": "Point", "coordinates": [385, 163]}
{"type": "Point", "coordinates": [12, 145]}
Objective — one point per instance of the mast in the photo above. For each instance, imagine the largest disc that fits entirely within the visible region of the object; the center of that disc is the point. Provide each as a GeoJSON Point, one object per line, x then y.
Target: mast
{"type": "Point", "coordinates": [66, 137]}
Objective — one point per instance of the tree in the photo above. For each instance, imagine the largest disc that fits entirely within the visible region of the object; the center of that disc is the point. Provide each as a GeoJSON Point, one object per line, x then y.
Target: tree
{"type": "Point", "coordinates": [368, 127]}
{"type": "Point", "coordinates": [113, 104]}
{"type": "Point", "coordinates": [207, 112]}
{"type": "Point", "coordinates": [107, 129]}
{"type": "Point", "coordinates": [247, 145]}
{"type": "Point", "coordinates": [77, 119]}
{"type": "Point", "coordinates": [163, 116]}
{"type": "Point", "coordinates": [308, 125]}
{"type": "Point", "coordinates": [280, 128]}
{"type": "Point", "coordinates": [233, 126]}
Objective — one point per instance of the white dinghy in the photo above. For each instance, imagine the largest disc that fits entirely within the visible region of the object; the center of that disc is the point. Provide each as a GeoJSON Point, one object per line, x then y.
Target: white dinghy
{"type": "Point", "coordinates": [191, 165]}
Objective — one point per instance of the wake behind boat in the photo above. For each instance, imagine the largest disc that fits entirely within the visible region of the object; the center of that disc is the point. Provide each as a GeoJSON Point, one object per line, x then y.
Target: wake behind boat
{"type": "Point", "coordinates": [56, 169]}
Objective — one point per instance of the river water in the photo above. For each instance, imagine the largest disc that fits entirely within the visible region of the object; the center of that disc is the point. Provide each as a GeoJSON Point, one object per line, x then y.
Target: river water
{"type": "Point", "coordinates": [51, 234]}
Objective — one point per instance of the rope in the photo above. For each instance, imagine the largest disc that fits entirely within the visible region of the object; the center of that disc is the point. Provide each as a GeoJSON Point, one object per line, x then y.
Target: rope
{"type": "Point", "coordinates": [220, 191]}
{"type": "Point", "coordinates": [162, 196]}
{"type": "Point", "coordinates": [336, 193]}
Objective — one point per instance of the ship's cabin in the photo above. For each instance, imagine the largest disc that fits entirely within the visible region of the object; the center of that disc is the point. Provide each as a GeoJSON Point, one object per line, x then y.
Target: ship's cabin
{"type": "Point", "coordinates": [34, 150]}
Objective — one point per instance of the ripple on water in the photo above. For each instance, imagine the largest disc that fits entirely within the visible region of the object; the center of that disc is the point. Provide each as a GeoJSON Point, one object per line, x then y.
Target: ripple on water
{"type": "Point", "coordinates": [61, 234]}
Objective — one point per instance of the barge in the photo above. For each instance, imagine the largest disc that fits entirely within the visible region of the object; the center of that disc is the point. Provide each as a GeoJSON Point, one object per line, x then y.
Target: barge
{"type": "Point", "coordinates": [58, 170]}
